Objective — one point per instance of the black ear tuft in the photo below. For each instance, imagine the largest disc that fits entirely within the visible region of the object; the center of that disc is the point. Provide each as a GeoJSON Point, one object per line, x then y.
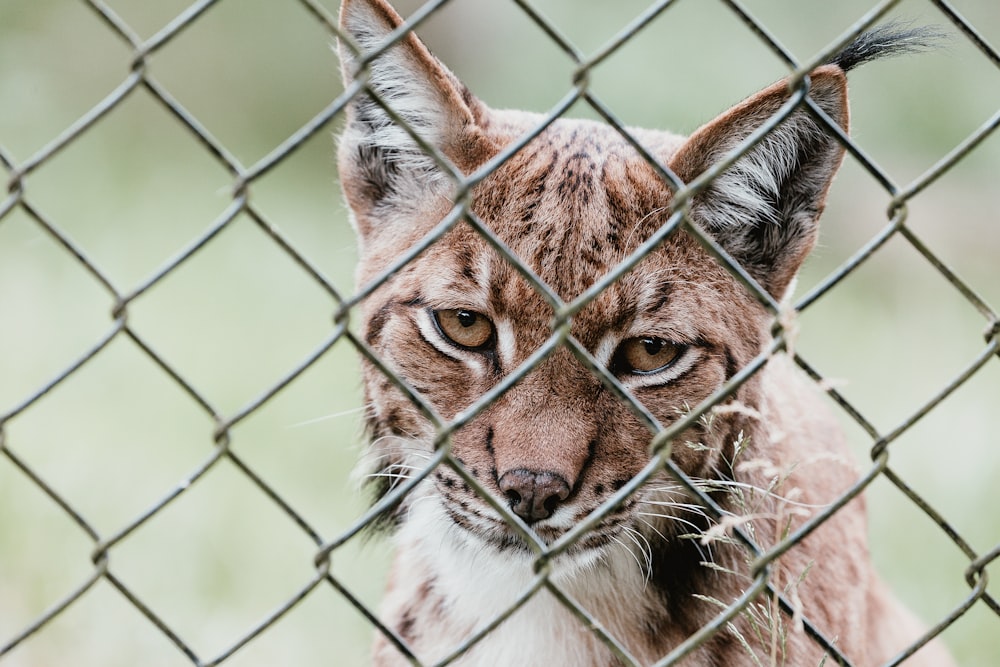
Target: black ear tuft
{"type": "Point", "coordinates": [891, 39]}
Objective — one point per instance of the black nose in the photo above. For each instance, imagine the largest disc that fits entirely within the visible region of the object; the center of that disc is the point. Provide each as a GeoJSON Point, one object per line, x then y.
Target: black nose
{"type": "Point", "coordinates": [533, 495]}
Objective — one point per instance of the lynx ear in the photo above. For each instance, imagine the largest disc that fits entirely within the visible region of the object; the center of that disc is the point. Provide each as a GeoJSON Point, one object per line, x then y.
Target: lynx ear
{"type": "Point", "coordinates": [380, 163]}
{"type": "Point", "coordinates": [764, 209]}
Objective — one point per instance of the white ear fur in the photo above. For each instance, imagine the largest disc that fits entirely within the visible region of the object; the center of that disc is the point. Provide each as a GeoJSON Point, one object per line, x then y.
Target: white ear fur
{"type": "Point", "coordinates": [764, 208]}
{"type": "Point", "coordinates": [749, 191]}
{"type": "Point", "coordinates": [390, 167]}
{"type": "Point", "coordinates": [395, 79]}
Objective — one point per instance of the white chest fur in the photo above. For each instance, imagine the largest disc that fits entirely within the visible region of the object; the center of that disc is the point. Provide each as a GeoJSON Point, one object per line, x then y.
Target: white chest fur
{"type": "Point", "coordinates": [449, 586]}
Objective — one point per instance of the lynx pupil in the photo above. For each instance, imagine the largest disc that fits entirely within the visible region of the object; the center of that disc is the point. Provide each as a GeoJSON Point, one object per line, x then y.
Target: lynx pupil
{"type": "Point", "coordinates": [653, 345]}
{"type": "Point", "coordinates": [466, 318]}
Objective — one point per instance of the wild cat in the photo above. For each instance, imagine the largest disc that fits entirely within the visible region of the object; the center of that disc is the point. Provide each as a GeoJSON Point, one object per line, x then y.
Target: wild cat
{"type": "Point", "coordinates": [458, 319]}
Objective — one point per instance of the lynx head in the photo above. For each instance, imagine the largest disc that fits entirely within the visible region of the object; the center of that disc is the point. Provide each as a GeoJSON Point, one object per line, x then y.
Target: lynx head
{"type": "Point", "coordinates": [571, 204]}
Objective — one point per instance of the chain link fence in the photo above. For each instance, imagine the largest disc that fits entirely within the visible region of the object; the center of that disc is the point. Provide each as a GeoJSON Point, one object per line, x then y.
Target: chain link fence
{"type": "Point", "coordinates": [215, 523]}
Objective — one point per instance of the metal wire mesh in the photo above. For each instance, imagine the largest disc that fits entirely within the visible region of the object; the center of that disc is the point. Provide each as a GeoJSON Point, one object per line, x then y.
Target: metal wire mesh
{"type": "Point", "coordinates": [106, 544]}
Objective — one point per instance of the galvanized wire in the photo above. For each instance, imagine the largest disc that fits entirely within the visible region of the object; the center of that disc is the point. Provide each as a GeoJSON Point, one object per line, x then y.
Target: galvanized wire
{"type": "Point", "coordinates": [243, 178]}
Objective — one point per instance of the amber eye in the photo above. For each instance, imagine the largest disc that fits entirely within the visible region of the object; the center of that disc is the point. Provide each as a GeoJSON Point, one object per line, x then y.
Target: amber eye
{"type": "Point", "coordinates": [465, 328]}
{"type": "Point", "coordinates": [646, 354]}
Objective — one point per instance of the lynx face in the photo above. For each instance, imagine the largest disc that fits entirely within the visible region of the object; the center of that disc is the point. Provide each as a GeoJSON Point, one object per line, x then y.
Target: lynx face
{"type": "Point", "coordinates": [571, 205]}
{"type": "Point", "coordinates": [460, 318]}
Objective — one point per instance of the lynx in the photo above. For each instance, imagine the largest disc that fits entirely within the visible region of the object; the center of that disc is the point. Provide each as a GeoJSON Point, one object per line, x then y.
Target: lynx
{"type": "Point", "coordinates": [553, 447]}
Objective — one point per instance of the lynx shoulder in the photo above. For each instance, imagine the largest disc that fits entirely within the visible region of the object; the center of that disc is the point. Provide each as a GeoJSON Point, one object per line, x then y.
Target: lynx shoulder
{"type": "Point", "coordinates": [559, 445]}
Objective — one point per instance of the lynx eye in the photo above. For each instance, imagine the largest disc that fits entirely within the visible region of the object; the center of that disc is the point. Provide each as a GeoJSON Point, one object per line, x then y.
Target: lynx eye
{"type": "Point", "coordinates": [465, 328]}
{"type": "Point", "coordinates": [646, 354]}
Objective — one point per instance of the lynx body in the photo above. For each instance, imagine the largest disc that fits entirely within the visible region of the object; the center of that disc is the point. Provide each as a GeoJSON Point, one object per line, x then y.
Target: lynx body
{"type": "Point", "coordinates": [455, 321]}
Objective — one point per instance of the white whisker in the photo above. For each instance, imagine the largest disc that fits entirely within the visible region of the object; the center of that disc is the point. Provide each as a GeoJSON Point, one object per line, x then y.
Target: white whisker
{"type": "Point", "coordinates": [402, 475]}
{"type": "Point", "coordinates": [335, 415]}
{"type": "Point", "coordinates": [684, 522]}
{"type": "Point", "coordinates": [644, 548]}
{"type": "Point", "coordinates": [629, 551]}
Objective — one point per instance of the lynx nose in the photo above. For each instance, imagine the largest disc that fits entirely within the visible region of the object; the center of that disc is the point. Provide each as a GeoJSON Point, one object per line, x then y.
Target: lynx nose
{"type": "Point", "coordinates": [533, 495]}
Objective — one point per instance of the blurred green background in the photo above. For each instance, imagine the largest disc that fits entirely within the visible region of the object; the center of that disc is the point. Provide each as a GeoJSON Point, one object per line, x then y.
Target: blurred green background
{"type": "Point", "coordinates": [119, 434]}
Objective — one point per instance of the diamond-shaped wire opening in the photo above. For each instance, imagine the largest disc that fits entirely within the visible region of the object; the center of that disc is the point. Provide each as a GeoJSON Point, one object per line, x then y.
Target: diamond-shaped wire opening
{"type": "Point", "coordinates": [276, 73]}
{"type": "Point", "coordinates": [687, 91]}
{"type": "Point", "coordinates": [51, 90]}
{"type": "Point", "coordinates": [105, 409]}
{"type": "Point", "coordinates": [287, 310]}
{"type": "Point", "coordinates": [207, 541]}
{"type": "Point", "coordinates": [123, 174]}
{"type": "Point", "coordinates": [914, 297]}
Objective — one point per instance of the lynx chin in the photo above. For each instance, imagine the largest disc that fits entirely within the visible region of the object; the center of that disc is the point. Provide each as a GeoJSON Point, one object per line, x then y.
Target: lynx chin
{"type": "Point", "coordinates": [553, 448]}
